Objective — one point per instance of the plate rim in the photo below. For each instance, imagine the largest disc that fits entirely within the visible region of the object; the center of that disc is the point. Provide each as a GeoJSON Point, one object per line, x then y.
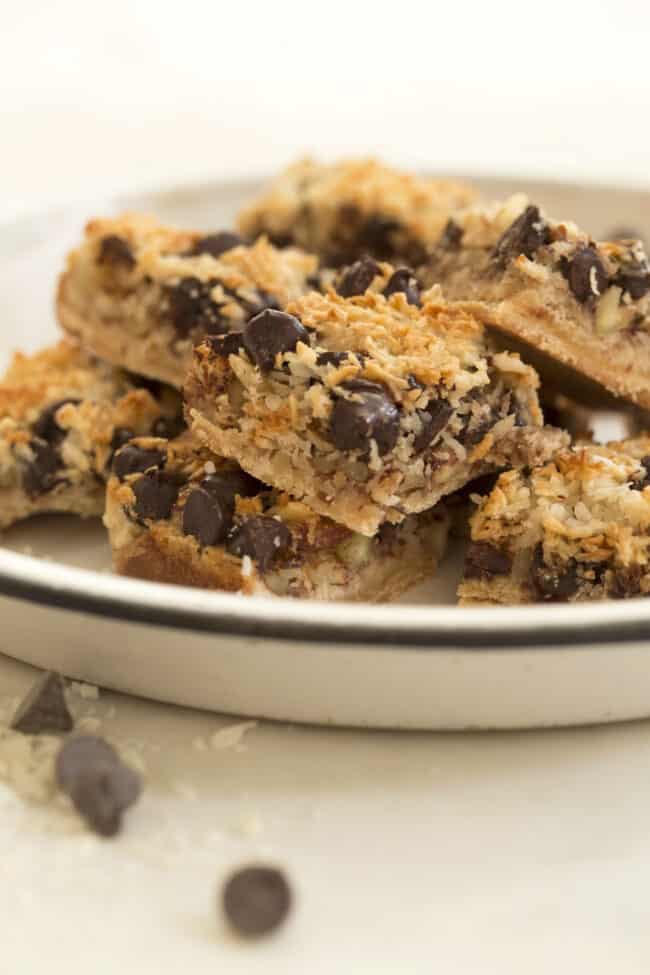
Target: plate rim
{"type": "Point", "coordinates": [364, 625]}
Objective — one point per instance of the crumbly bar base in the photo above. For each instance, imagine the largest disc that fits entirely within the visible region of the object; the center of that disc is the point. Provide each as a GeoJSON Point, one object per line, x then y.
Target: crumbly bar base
{"type": "Point", "coordinates": [120, 309]}
{"type": "Point", "coordinates": [575, 530]}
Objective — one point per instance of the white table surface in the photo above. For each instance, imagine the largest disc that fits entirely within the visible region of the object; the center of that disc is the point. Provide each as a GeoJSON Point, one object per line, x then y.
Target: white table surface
{"type": "Point", "coordinates": [508, 853]}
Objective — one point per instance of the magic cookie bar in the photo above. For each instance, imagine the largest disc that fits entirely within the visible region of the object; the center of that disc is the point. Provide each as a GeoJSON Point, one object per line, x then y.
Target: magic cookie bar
{"type": "Point", "coordinates": [62, 414]}
{"type": "Point", "coordinates": [584, 304]}
{"type": "Point", "coordinates": [176, 513]}
{"type": "Point", "coordinates": [366, 408]}
{"type": "Point", "coordinates": [576, 529]}
{"type": "Point", "coordinates": [354, 207]}
{"type": "Point", "coordinates": [140, 294]}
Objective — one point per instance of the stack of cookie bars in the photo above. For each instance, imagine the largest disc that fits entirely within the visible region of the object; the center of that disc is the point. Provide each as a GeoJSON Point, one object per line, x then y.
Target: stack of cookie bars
{"type": "Point", "coordinates": [303, 406]}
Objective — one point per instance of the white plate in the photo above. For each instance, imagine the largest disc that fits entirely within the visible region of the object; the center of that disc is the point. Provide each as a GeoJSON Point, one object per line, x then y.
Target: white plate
{"type": "Point", "coordinates": [421, 664]}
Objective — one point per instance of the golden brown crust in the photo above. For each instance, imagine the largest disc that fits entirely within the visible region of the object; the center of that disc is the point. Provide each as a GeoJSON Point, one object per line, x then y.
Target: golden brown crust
{"type": "Point", "coordinates": [344, 209]}
{"type": "Point", "coordinates": [575, 529]}
{"type": "Point", "coordinates": [125, 303]}
{"type": "Point", "coordinates": [324, 560]}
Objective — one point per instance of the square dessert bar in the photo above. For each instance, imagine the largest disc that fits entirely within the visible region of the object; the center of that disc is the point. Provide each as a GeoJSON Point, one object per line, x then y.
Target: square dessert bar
{"type": "Point", "coordinates": [62, 415]}
{"type": "Point", "coordinates": [578, 302]}
{"type": "Point", "coordinates": [177, 513]}
{"type": "Point", "coordinates": [355, 207]}
{"type": "Point", "coordinates": [575, 529]}
{"type": "Point", "coordinates": [139, 294]}
{"type": "Point", "coordinates": [367, 408]}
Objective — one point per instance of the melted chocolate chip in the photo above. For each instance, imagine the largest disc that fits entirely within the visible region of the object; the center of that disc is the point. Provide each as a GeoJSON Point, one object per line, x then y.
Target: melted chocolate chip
{"type": "Point", "coordinates": [115, 252]}
{"type": "Point", "coordinates": [551, 584]}
{"type": "Point", "coordinates": [101, 787]}
{"type": "Point", "coordinates": [357, 278]}
{"type": "Point", "coordinates": [483, 561]}
{"type": "Point", "coordinates": [370, 415]}
{"type": "Point", "coordinates": [403, 280]}
{"type": "Point", "coordinates": [40, 476]}
{"type": "Point", "coordinates": [256, 900]}
{"type": "Point", "coordinates": [451, 237]}
{"type": "Point", "coordinates": [155, 495]}
{"type": "Point", "coordinates": [46, 426]}
{"type": "Point", "coordinates": [168, 427]}
{"type": "Point", "coordinates": [44, 710]}
{"type": "Point", "coordinates": [433, 419]}
{"type": "Point", "coordinates": [191, 307]}
{"type": "Point", "coordinates": [224, 345]}
{"type": "Point", "coordinates": [525, 235]}
{"type": "Point", "coordinates": [135, 460]}
{"type": "Point", "coordinates": [262, 538]}
{"type": "Point", "coordinates": [205, 517]}
{"type": "Point", "coordinates": [217, 244]}
{"type": "Point", "coordinates": [586, 274]}
{"type": "Point", "coordinates": [227, 485]}
{"type": "Point", "coordinates": [272, 333]}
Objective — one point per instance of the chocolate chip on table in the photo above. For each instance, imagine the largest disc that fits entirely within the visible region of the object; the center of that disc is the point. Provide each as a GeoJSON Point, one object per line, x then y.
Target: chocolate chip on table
{"type": "Point", "coordinates": [256, 900]}
{"type": "Point", "coordinates": [357, 278]}
{"type": "Point", "coordinates": [155, 495]}
{"type": "Point", "coordinates": [41, 474]}
{"type": "Point", "coordinates": [100, 786]}
{"type": "Point", "coordinates": [433, 419]}
{"type": "Point", "coordinates": [484, 560]}
{"type": "Point", "coordinates": [217, 244]}
{"type": "Point", "coordinates": [262, 538]}
{"type": "Point", "coordinates": [370, 415]}
{"type": "Point", "coordinates": [525, 235]}
{"type": "Point", "coordinates": [168, 427]}
{"type": "Point", "coordinates": [136, 460]}
{"type": "Point", "coordinates": [403, 280]}
{"type": "Point", "coordinates": [44, 709]}
{"type": "Point", "coordinates": [191, 307]}
{"type": "Point", "coordinates": [451, 236]}
{"type": "Point", "coordinates": [551, 584]}
{"type": "Point", "coordinates": [46, 426]}
{"type": "Point", "coordinates": [115, 251]}
{"type": "Point", "coordinates": [205, 517]}
{"type": "Point", "coordinates": [272, 333]}
{"type": "Point", "coordinates": [224, 345]}
{"type": "Point", "coordinates": [586, 274]}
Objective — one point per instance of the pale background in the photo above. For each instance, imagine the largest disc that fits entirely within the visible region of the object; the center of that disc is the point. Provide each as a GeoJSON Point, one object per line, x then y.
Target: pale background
{"type": "Point", "coordinates": [417, 853]}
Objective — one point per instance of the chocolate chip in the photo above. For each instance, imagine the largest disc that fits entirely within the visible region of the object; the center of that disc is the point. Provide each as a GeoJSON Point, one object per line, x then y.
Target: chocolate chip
{"type": "Point", "coordinates": [224, 345]}
{"type": "Point", "coordinates": [403, 280]}
{"type": "Point", "coordinates": [168, 427]}
{"type": "Point", "coordinates": [226, 485]}
{"type": "Point", "coordinates": [217, 244]}
{"type": "Point", "coordinates": [370, 415]}
{"type": "Point", "coordinates": [135, 460]}
{"type": "Point", "coordinates": [191, 307]}
{"type": "Point", "coordinates": [155, 495]}
{"type": "Point", "coordinates": [433, 419]}
{"type": "Point", "coordinates": [357, 278]}
{"type": "Point", "coordinates": [44, 709]}
{"type": "Point", "coordinates": [256, 900]}
{"type": "Point", "coordinates": [262, 301]}
{"type": "Point", "coordinates": [552, 584]}
{"type": "Point", "coordinates": [272, 333]}
{"type": "Point", "coordinates": [585, 273]}
{"type": "Point", "coordinates": [377, 236]}
{"type": "Point", "coordinates": [483, 561]}
{"type": "Point", "coordinates": [524, 236]}
{"type": "Point", "coordinates": [46, 426]}
{"type": "Point", "coordinates": [633, 277]}
{"type": "Point", "coordinates": [115, 252]}
{"type": "Point", "coordinates": [101, 787]}
{"type": "Point", "coordinates": [121, 436]}
{"type": "Point", "coordinates": [642, 480]}
{"type": "Point", "coordinates": [335, 359]}
{"type": "Point", "coordinates": [451, 237]}
{"type": "Point", "coordinates": [262, 538]}
{"type": "Point", "coordinates": [40, 475]}
{"type": "Point", "coordinates": [205, 517]}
